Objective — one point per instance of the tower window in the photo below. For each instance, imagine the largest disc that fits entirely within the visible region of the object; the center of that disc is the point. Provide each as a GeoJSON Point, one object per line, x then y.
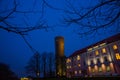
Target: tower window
{"type": "Point", "coordinates": [115, 47]}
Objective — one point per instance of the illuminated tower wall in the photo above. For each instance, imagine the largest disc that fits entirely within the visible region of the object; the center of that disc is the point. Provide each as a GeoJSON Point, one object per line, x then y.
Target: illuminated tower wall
{"type": "Point", "coordinates": [60, 58]}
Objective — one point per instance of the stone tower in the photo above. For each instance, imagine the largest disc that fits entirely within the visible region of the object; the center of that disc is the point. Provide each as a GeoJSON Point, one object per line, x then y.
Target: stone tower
{"type": "Point", "coordinates": [60, 57]}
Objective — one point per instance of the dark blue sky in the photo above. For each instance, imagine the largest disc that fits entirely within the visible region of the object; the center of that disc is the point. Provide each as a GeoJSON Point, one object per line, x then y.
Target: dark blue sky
{"type": "Point", "coordinates": [15, 52]}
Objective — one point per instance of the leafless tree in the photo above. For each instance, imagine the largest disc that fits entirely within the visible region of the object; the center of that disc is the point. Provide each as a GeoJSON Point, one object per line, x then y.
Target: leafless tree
{"type": "Point", "coordinates": [33, 66]}
{"type": "Point", "coordinates": [51, 64]}
{"type": "Point", "coordinates": [16, 17]}
{"type": "Point", "coordinates": [101, 15]}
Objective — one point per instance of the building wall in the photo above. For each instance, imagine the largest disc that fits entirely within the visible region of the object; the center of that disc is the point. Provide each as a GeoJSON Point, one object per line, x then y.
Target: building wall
{"type": "Point", "coordinates": [99, 60]}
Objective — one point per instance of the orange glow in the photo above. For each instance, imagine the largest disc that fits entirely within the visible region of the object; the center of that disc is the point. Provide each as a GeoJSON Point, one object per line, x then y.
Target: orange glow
{"type": "Point", "coordinates": [111, 66]}
{"type": "Point", "coordinates": [89, 69]}
{"type": "Point", "coordinates": [117, 56]}
{"type": "Point", "coordinates": [103, 67]}
{"type": "Point", "coordinates": [115, 47]}
{"type": "Point", "coordinates": [96, 68]}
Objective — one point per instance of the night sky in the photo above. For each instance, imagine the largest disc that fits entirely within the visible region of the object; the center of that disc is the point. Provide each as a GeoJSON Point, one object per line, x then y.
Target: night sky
{"type": "Point", "coordinates": [16, 53]}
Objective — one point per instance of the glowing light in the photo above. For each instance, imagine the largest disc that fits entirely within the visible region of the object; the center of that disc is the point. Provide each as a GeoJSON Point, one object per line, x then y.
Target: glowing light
{"type": "Point", "coordinates": [117, 56]}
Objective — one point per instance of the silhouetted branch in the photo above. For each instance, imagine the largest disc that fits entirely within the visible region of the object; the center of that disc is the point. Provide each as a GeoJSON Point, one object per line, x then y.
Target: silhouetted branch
{"type": "Point", "coordinates": [103, 15]}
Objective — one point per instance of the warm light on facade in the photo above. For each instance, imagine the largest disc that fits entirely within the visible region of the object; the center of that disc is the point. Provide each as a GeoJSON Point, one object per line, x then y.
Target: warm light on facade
{"type": "Point", "coordinates": [109, 58]}
{"type": "Point", "coordinates": [95, 62]}
{"type": "Point", "coordinates": [89, 49]}
{"type": "Point", "coordinates": [78, 57]}
{"type": "Point", "coordinates": [115, 47]}
{"type": "Point", "coordinates": [88, 62]}
{"type": "Point", "coordinates": [104, 50]}
{"type": "Point", "coordinates": [24, 78]}
{"type": "Point", "coordinates": [101, 59]}
{"type": "Point", "coordinates": [117, 55]}
{"type": "Point", "coordinates": [103, 67]}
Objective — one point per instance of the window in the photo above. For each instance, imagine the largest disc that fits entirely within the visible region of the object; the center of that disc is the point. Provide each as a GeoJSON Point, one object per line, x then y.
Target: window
{"type": "Point", "coordinates": [115, 47]}
{"type": "Point", "coordinates": [75, 72]}
{"type": "Point", "coordinates": [67, 67]}
{"type": "Point", "coordinates": [93, 70]}
{"type": "Point", "coordinates": [108, 68]}
{"type": "Point", "coordinates": [117, 55]}
{"type": "Point", "coordinates": [99, 69]}
{"type": "Point", "coordinates": [68, 60]}
{"type": "Point", "coordinates": [96, 52]}
{"type": "Point", "coordinates": [104, 50]}
{"type": "Point", "coordinates": [79, 71]}
{"type": "Point", "coordinates": [78, 57]}
{"type": "Point", "coordinates": [98, 60]}
{"type": "Point", "coordinates": [79, 65]}
{"type": "Point", "coordinates": [105, 59]}
{"type": "Point", "coordinates": [92, 62]}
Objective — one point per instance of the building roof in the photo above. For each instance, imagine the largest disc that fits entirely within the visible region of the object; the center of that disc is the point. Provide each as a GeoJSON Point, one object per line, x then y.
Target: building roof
{"type": "Point", "coordinates": [107, 41]}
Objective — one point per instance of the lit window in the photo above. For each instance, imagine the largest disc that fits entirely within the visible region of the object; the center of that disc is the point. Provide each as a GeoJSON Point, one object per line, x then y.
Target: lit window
{"type": "Point", "coordinates": [79, 71]}
{"type": "Point", "coordinates": [104, 50]}
{"type": "Point", "coordinates": [75, 72]}
{"type": "Point", "coordinates": [99, 69]}
{"type": "Point", "coordinates": [97, 53]}
{"type": "Point", "coordinates": [78, 57]}
{"type": "Point", "coordinates": [78, 65]}
{"type": "Point", "coordinates": [114, 47]}
{"type": "Point", "coordinates": [68, 60]}
{"type": "Point", "coordinates": [108, 68]}
{"type": "Point", "coordinates": [67, 67]}
{"type": "Point", "coordinates": [117, 56]}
